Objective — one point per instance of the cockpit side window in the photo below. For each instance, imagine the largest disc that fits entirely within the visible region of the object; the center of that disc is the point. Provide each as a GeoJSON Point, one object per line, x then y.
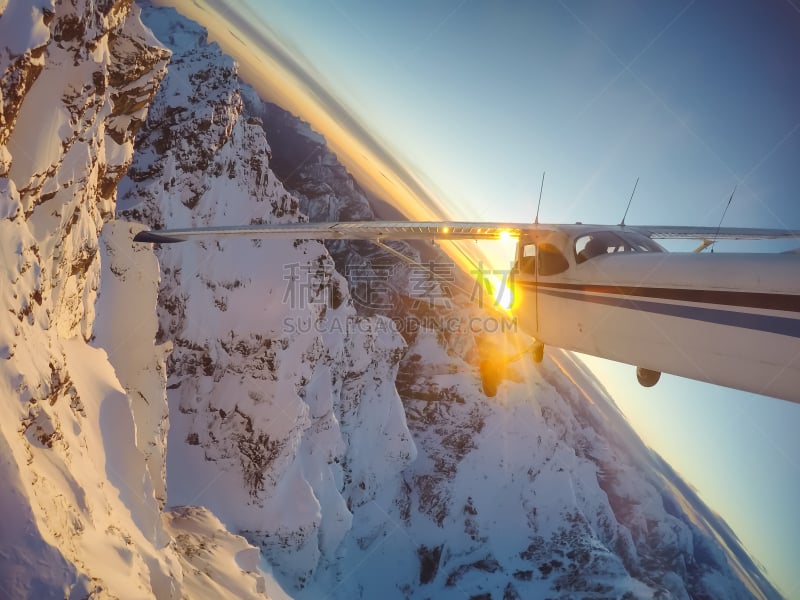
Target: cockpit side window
{"type": "Point", "coordinates": [527, 262]}
{"type": "Point", "coordinates": [551, 261]}
{"type": "Point", "coordinates": [605, 242]}
{"type": "Point", "coordinates": [641, 243]}
{"type": "Point", "coordinates": [595, 244]}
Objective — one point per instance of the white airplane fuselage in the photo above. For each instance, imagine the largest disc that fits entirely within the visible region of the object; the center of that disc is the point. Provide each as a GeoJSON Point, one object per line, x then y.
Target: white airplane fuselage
{"type": "Point", "coordinates": [724, 318]}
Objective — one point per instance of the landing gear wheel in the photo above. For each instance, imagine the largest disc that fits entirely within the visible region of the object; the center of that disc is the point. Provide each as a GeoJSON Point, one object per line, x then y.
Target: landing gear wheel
{"type": "Point", "coordinates": [538, 352]}
{"type": "Point", "coordinates": [646, 377]}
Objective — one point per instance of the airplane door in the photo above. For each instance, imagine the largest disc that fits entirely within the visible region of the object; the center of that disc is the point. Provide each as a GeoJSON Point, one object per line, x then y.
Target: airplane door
{"type": "Point", "coordinates": [551, 265]}
{"type": "Point", "coordinates": [527, 304]}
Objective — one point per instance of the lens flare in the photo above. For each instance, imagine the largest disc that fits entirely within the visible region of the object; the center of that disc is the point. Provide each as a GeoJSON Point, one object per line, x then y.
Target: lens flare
{"type": "Point", "coordinates": [505, 298]}
{"type": "Point", "coordinates": [501, 292]}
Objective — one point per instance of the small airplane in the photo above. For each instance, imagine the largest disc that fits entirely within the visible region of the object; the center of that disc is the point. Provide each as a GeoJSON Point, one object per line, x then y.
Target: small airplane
{"type": "Point", "coordinates": [732, 319]}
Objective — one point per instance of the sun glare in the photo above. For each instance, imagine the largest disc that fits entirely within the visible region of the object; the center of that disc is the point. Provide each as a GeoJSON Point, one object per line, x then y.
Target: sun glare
{"type": "Point", "coordinates": [505, 297]}
{"type": "Point", "coordinates": [501, 291]}
{"type": "Point", "coordinates": [496, 259]}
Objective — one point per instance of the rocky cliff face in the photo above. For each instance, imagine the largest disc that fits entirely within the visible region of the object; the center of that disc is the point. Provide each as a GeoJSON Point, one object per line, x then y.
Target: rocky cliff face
{"type": "Point", "coordinates": [274, 375]}
{"type": "Point", "coordinates": [322, 402]}
{"type": "Point", "coordinates": [82, 388]}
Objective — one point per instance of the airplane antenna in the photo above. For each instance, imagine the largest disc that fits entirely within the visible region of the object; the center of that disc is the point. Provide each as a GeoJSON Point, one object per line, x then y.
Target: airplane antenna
{"type": "Point", "coordinates": [724, 212]}
{"type": "Point", "coordinates": [622, 223]}
{"type": "Point", "coordinates": [538, 206]}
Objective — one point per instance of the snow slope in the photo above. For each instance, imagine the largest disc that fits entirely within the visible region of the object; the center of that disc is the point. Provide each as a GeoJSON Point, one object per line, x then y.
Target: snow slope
{"type": "Point", "coordinates": [82, 384]}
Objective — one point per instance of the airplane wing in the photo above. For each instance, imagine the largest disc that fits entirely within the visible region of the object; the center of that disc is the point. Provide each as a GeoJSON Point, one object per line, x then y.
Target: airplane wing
{"type": "Point", "coordinates": [441, 230]}
{"type": "Point", "coordinates": [346, 230]}
{"type": "Point", "coordinates": [713, 233]}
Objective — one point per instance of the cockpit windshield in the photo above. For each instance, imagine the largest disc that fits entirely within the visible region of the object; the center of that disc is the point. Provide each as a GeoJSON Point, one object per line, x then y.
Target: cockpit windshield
{"type": "Point", "coordinates": [608, 242]}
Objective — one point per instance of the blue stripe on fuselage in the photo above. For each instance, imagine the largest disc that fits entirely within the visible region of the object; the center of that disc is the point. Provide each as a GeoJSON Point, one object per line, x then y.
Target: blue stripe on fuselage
{"type": "Point", "coordinates": [766, 323]}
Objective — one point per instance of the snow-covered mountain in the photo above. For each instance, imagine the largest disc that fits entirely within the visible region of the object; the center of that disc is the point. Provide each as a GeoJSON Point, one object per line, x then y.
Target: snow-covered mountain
{"type": "Point", "coordinates": [82, 438]}
{"type": "Point", "coordinates": [322, 402]}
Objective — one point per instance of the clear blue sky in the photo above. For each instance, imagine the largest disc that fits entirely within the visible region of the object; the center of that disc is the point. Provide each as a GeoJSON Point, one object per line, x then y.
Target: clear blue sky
{"type": "Point", "coordinates": [476, 99]}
